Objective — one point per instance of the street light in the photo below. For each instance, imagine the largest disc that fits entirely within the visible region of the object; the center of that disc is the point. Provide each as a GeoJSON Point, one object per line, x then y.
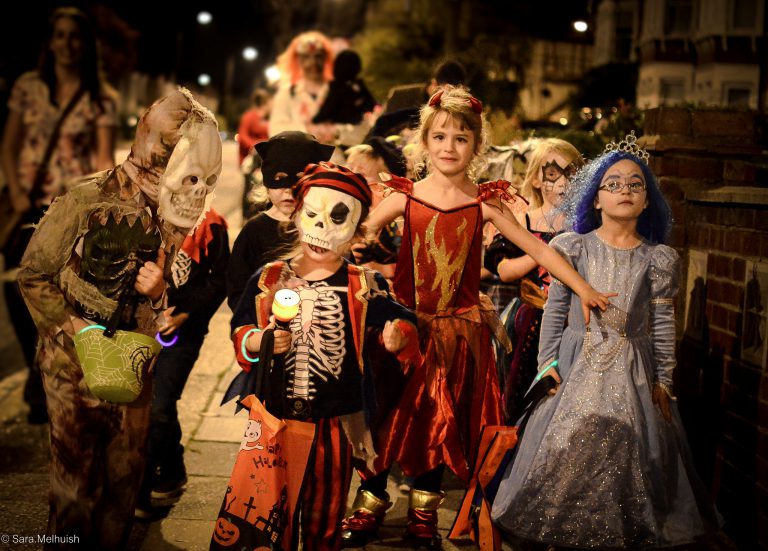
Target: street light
{"type": "Point", "coordinates": [204, 17]}
{"type": "Point", "coordinates": [204, 79]}
{"type": "Point", "coordinates": [272, 73]}
{"type": "Point", "coordinates": [580, 26]}
{"type": "Point", "coordinates": [250, 53]}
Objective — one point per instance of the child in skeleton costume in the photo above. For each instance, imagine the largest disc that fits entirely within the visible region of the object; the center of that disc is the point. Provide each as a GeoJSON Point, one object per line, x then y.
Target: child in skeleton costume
{"type": "Point", "coordinates": [604, 462]}
{"type": "Point", "coordinates": [326, 367]}
{"type": "Point", "coordinates": [196, 291]}
{"type": "Point", "coordinates": [455, 392]}
{"type": "Point", "coordinates": [552, 164]}
{"type": "Point", "coordinates": [110, 229]}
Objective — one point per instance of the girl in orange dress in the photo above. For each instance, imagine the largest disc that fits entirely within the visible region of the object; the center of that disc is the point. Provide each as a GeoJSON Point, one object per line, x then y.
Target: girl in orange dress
{"type": "Point", "coordinates": [455, 392]}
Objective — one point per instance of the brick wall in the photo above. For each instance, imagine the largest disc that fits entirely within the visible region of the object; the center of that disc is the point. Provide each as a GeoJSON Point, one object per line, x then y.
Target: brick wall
{"type": "Point", "coordinates": [710, 167]}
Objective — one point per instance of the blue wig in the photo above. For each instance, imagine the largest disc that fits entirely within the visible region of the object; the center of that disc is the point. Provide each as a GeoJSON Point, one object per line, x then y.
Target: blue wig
{"type": "Point", "coordinates": [578, 205]}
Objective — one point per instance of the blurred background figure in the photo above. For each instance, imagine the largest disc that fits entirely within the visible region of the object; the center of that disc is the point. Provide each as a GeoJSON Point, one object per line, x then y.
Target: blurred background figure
{"type": "Point", "coordinates": [306, 67]}
{"type": "Point", "coordinates": [61, 125]}
{"type": "Point", "coordinates": [253, 129]}
{"type": "Point", "coordinates": [415, 95]}
{"type": "Point", "coordinates": [254, 124]}
{"type": "Point", "coordinates": [403, 102]}
{"type": "Point", "coordinates": [348, 98]}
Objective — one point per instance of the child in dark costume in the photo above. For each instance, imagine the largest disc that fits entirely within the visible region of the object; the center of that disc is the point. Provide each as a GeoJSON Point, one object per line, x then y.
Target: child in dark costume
{"type": "Point", "coordinates": [196, 293]}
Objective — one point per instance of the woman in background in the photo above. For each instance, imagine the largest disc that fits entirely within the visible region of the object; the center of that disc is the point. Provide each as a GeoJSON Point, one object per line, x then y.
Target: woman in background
{"type": "Point", "coordinates": [67, 87]}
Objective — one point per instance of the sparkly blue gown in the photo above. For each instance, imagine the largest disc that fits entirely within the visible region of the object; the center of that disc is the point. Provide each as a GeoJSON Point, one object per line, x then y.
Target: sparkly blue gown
{"type": "Point", "coordinates": [598, 467]}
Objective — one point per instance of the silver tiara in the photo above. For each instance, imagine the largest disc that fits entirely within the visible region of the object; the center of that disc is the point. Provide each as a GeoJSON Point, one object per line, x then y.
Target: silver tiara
{"type": "Point", "coordinates": [629, 145]}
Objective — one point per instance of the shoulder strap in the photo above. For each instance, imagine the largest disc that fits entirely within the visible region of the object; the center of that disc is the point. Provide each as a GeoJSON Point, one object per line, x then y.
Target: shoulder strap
{"type": "Point", "coordinates": [42, 168]}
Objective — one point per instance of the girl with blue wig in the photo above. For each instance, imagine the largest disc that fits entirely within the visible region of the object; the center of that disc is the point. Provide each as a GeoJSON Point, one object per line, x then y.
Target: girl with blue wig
{"type": "Point", "coordinates": [604, 462]}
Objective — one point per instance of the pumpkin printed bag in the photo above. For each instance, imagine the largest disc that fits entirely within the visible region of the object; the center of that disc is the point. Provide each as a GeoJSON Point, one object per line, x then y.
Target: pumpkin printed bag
{"type": "Point", "coordinates": [259, 505]}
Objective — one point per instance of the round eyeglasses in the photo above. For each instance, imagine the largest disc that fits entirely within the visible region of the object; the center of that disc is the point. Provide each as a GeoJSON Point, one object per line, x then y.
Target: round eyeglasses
{"type": "Point", "coordinates": [618, 187]}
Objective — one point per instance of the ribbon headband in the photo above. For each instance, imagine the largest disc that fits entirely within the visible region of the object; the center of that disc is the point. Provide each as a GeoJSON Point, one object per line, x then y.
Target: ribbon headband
{"type": "Point", "coordinates": [331, 175]}
{"type": "Point", "coordinates": [474, 103]}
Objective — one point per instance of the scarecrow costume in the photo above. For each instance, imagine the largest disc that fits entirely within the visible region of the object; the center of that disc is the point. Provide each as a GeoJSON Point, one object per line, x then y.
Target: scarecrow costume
{"type": "Point", "coordinates": [81, 265]}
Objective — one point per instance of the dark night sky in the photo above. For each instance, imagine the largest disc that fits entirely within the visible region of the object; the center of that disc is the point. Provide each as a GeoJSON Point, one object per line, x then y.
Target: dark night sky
{"type": "Point", "coordinates": [159, 23]}
{"type": "Point", "coordinates": [162, 25]}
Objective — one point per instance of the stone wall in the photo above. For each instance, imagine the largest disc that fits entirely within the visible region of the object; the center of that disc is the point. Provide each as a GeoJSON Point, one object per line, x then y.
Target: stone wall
{"type": "Point", "coordinates": [710, 167]}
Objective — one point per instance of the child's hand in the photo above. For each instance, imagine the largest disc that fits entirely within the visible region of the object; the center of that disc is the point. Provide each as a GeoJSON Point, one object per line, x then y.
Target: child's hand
{"type": "Point", "coordinates": [394, 340]}
{"type": "Point", "coordinates": [661, 399]}
{"type": "Point", "coordinates": [173, 322]}
{"type": "Point", "coordinates": [282, 339]}
{"type": "Point", "coordinates": [78, 324]}
{"type": "Point", "coordinates": [281, 344]}
{"type": "Point", "coordinates": [556, 376]}
{"type": "Point", "coordinates": [149, 280]}
{"type": "Point", "coordinates": [591, 299]}
{"type": "Point", "coordinates": [360, 252]}
{"type": "Point", "coordinates": [551, 371]}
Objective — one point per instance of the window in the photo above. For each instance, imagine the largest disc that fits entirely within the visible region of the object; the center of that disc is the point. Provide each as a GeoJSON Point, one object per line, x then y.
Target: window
{"type": "Point", "coordinates": [737, 96]}
{"type": "Point", "coordinates": [624, 32]}
{"type": "Point", "coordinates": [743, 14]}
{"type": "Point", "coordinates": [678, 16]}
{"type": "Point", "coordinates": [672, 90]}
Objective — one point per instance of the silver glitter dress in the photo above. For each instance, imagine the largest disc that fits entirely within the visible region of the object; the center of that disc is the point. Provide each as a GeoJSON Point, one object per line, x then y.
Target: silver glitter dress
{"type": "Point", "coordinates": [598, 466]}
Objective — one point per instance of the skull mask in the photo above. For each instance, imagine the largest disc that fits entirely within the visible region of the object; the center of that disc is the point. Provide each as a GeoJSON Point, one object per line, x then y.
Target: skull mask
{"type": "Point", "coordinates": [328, 218]}
{"type": "Point", "coordinates": [192, 172]}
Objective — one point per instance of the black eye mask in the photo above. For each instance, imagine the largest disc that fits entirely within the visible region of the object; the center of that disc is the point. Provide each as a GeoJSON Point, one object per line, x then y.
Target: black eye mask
{"type": "Point", "coordinates": [339, 213]}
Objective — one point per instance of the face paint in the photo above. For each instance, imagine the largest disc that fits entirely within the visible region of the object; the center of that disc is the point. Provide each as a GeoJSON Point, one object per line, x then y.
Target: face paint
{"type": "Point", "coordinates": [328, 218]}
{"type": "Point", "coordinates": [192, 173]}
{"type": "Point", "coordinates": [551, 172]}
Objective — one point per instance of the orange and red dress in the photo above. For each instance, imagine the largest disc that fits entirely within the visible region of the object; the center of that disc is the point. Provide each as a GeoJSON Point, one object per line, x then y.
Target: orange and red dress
{"type": "Point", "coordinates": [455, 391]}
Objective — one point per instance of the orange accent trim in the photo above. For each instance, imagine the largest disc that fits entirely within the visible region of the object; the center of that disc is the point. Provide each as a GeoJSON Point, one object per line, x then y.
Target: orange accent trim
{"type": "Point", "coordinates": [269, 276]}
{"type": "Point", "coordinates": [358, 330]}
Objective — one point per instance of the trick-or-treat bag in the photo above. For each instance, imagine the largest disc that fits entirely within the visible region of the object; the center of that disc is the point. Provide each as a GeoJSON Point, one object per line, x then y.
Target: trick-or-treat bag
{"type": "Point", "coordinates": [260, 502]}
{"type": "Point", "coordinates": [114, 367]}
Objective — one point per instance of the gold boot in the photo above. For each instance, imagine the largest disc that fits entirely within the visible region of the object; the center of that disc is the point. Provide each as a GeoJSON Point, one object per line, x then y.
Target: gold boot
{"type": "Point", "coordinates": [422, 518]}
{"type": "Point", "coordinates": [363, 524]}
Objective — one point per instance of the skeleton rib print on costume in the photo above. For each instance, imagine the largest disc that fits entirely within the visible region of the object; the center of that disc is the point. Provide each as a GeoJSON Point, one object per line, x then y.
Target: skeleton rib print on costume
{"type": "Point", "coordinates": [318, 337]}
{"type": "Point", "coordinates": [181, 268]}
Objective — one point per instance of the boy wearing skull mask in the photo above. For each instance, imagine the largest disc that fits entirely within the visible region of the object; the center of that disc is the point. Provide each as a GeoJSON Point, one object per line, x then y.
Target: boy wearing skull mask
{"type": "Point", "coordinates": [112, 233]}
{"type": "Point", "coordinates": [326, 366]}
{"type": "Point", "coordinates": [283, 158]}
